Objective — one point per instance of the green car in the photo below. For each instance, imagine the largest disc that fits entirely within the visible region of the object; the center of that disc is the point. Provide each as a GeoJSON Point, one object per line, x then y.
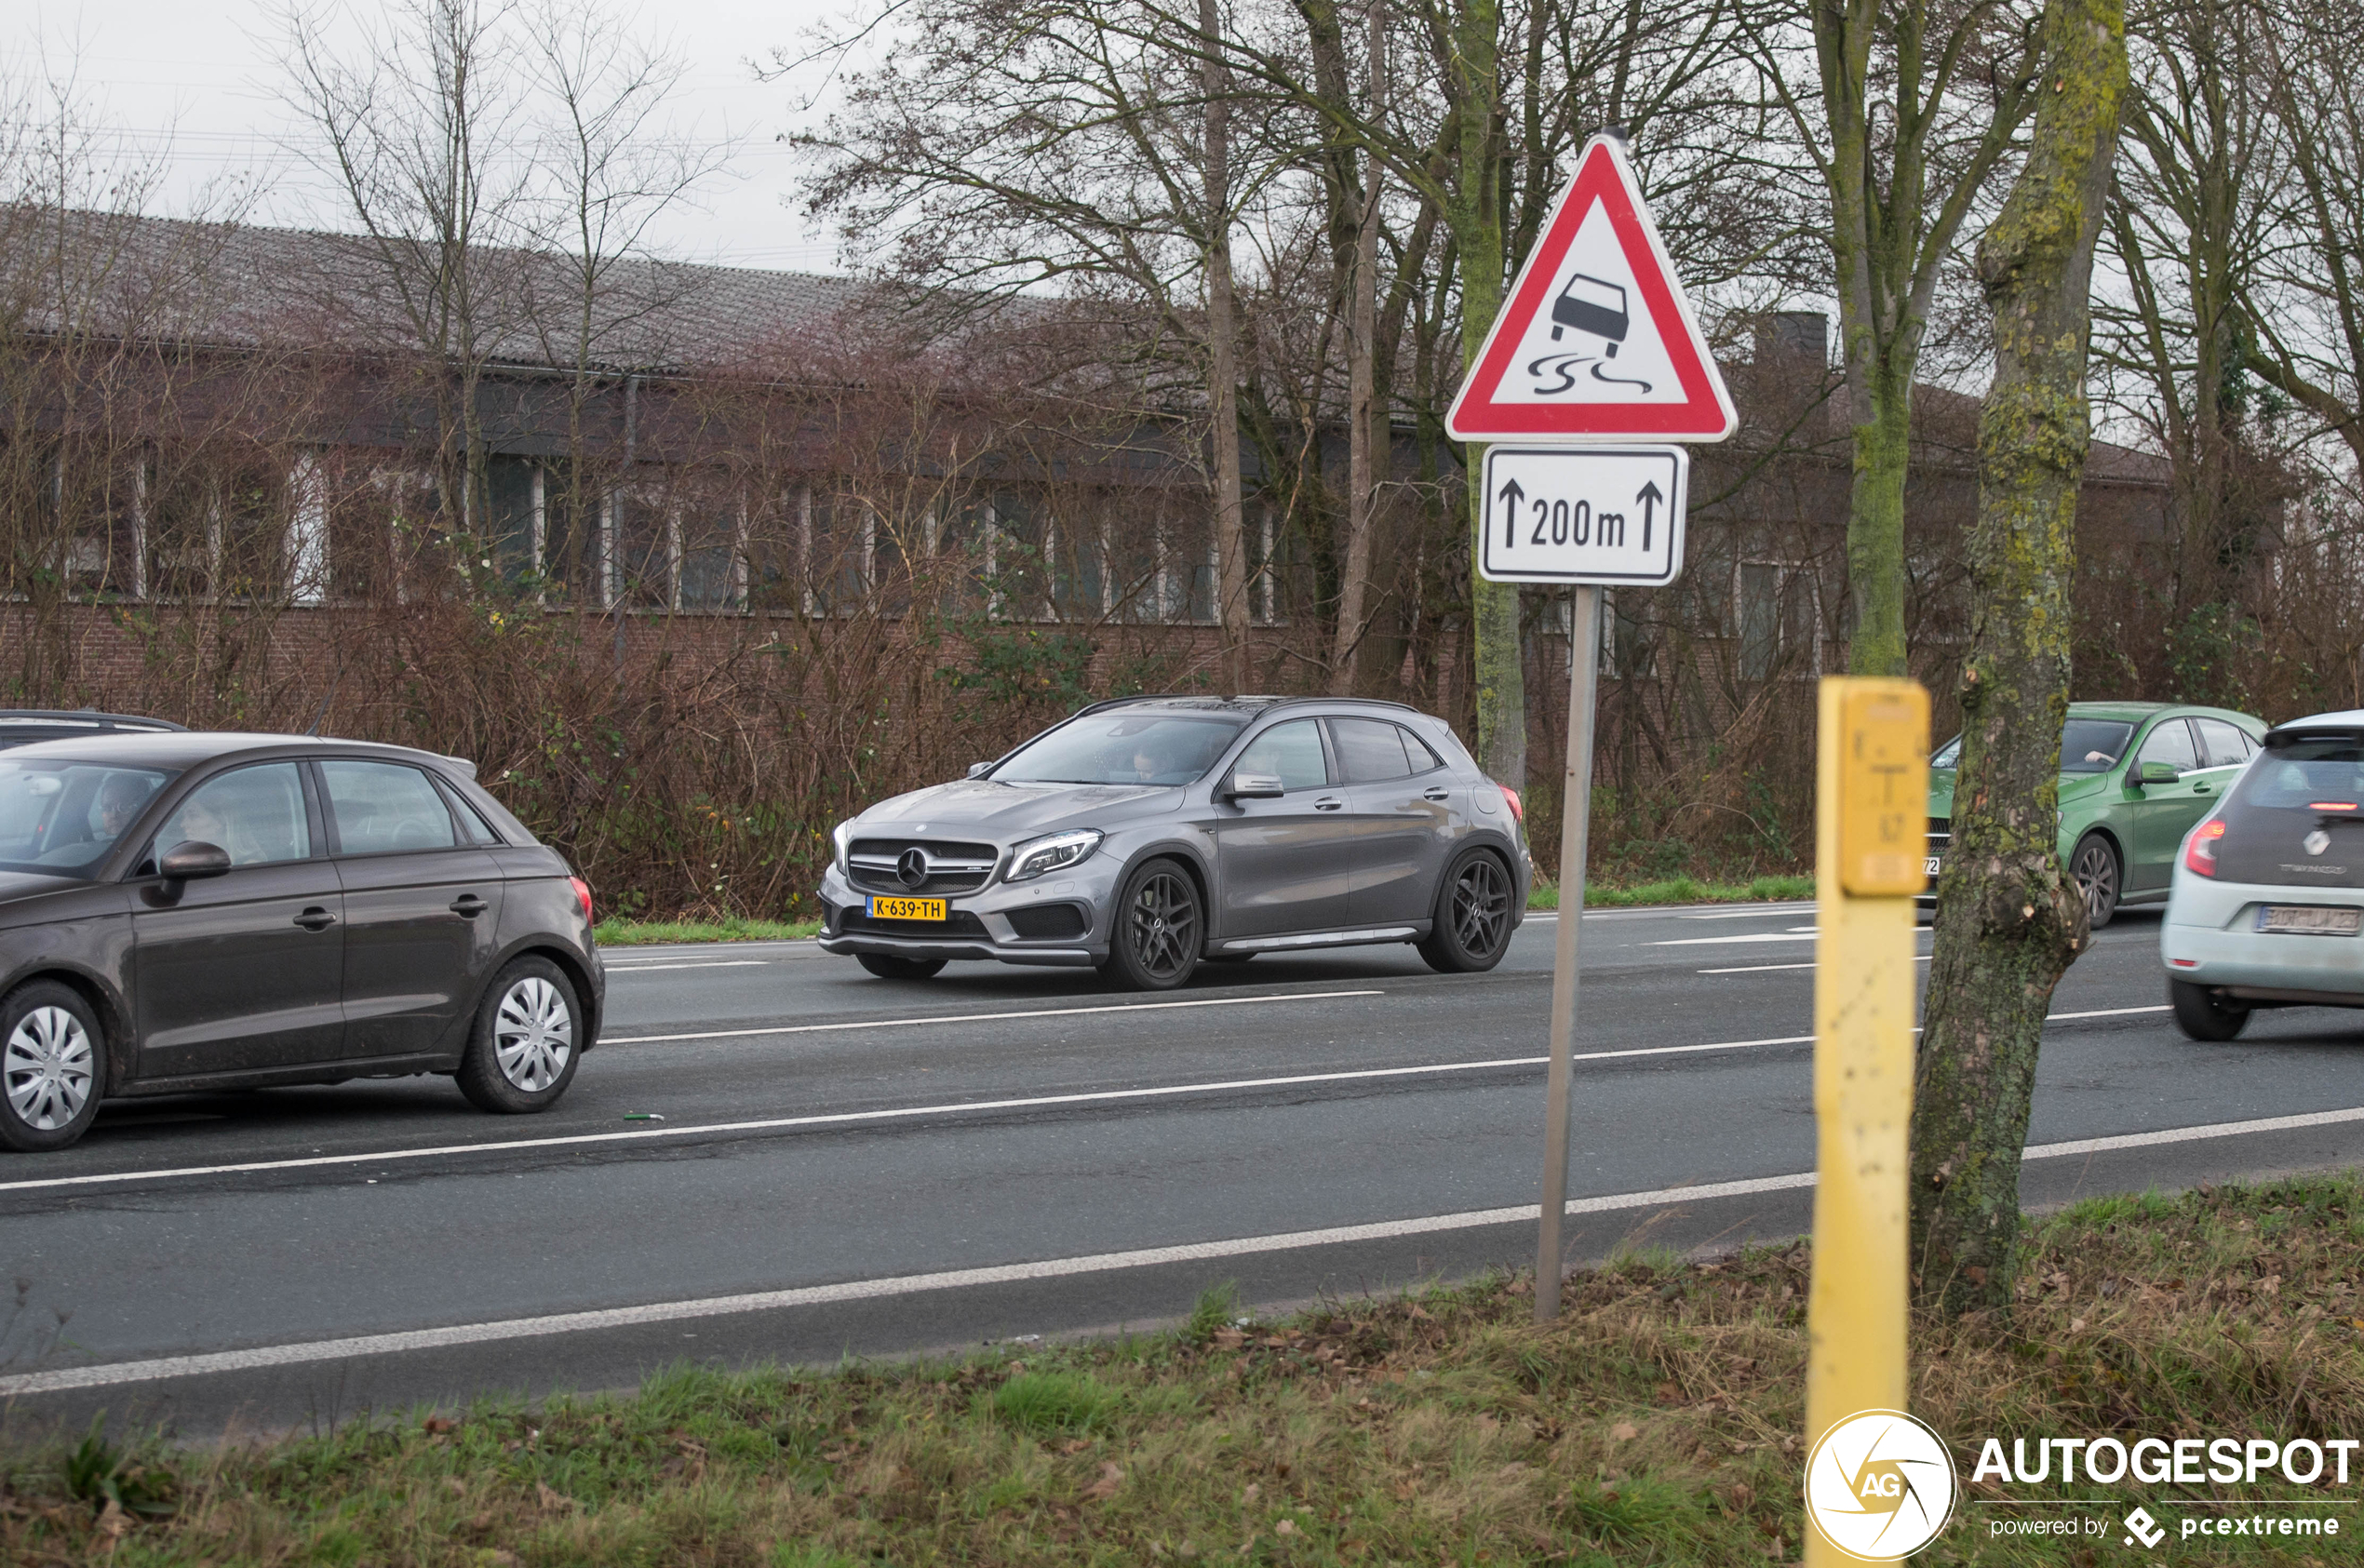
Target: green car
{"type": "Point", "coordinates": [2134, 777]}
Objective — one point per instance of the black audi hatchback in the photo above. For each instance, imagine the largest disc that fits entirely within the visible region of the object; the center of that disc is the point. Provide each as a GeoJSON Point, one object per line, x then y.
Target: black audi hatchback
{"type": "Point", "coordinates": [186, 912]}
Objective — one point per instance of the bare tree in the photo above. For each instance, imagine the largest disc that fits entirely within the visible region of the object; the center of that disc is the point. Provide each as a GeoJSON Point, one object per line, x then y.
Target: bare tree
{"type": "Point", "coordinates": [1958, 83]}
{"type": "Point", "coordinates": [610, 162]}
{"type": "Point", "coordinates": [421, 131]}
{"type": "Point", "coordinates": [2009, 921]}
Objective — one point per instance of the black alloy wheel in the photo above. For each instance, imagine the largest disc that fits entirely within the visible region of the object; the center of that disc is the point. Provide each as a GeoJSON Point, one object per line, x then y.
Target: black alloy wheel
{"type": "Point", "coordinates": [1472, 924]}
{"type": "Point", "coordinates": [2094, 864]}
{"type": "Point", "coordinates": [2202, 1015]}
{"type": "Point", "coordinates": [886, 966]}
{"type": "Point", "coordinates": [1158, 929]}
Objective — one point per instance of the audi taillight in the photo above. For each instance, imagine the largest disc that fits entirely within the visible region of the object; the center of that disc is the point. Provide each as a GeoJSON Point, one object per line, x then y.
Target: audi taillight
{"type": "Point", "coordinates": [2199, 853]}
{"type": "Point", "coordinates": [1518, 807]}
{"type": "Point", "coordinates": [583, 895]}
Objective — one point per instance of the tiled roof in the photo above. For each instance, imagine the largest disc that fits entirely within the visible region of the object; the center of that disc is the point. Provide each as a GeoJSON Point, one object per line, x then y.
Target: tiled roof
{"type": "Point", "coordinates": [242, 286]}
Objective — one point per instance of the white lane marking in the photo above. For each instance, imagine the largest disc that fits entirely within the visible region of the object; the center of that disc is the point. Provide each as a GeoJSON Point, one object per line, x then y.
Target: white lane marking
{"type": "Point", "coordinates": [1745, 936]}
{"type": "Point", "coordinates": [1098, 1096]}
{"type": "Point", "coordinates": [951, 1109]}
{"type": "Point", "coordinates": [852, 1289]}
{"type": "Point", "coordinates": [986, 1017]}
{"type": "Point", "coordinates": [2108, 1013]}
{"type": "Point", "coordinates": [1762, 969]}
{"type": "Point", "coordinates": [1759, 909]}
{"type": "Point", "coordinates": [616, 967]}
{"type": "Point", "coordinates": [304, 1352]}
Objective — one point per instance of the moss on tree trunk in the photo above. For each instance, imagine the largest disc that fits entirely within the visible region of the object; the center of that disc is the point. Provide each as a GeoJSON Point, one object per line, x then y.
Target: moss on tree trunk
{"type": "Point", "coordinates": [2009, 921]}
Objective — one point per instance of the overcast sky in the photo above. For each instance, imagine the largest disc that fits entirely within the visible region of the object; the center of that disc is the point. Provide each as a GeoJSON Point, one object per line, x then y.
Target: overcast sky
{"type": "Point", "coordinates": [197, 81]}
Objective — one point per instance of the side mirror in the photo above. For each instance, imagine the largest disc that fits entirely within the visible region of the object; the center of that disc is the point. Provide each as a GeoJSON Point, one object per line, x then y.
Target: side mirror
{"type": "Point", "coordinates": [190, 861]}
{"type": "Point", "coordinates": [979, 769]}
{"type": "Point", "coordinates": [2155, 772]}
{"type": "Point", "coordinates": [1254, 786]}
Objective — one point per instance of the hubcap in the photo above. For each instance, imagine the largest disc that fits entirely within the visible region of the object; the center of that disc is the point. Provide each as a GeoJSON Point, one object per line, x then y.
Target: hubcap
{"type": "Point", "coordinates": [533, 1034]}
{"type": "Point", "coordinates": [1481, 909]}
{"type": "Point", "coordinates": [2096, 874]}
{"type": "Point", "coordinates": [1164, 925]}
{"type": "Point", "coordinates": [48, 1068]}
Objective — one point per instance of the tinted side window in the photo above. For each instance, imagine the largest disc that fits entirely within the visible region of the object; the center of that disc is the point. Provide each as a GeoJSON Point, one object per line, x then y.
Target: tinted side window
{"type": "Point", "coordinates": [383, 807]}
{"type": "Point", "coordinates": [1369, 750]}
{"type": "Point", "coordinates": [2170, 742]}
{"type": "Point", "coordinates": [2222, 744]}
{"type": "Point", "coordinates": [255, 814]}
{"type": "Point", "coordinates": [1423, 756]}
{"type": "Point", "coordinates": [1290, 752]}
{"type": "Point", "coordinates": [473, 827]}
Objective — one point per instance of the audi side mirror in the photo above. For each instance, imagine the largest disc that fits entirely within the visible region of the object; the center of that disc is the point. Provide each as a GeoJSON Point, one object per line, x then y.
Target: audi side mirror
{"type": "Point", "coordinates": [191, 861]}
{"type": "Point", "coordinates": [2155, 772]}
{"type": "Point", "coordinates": [1254, 786]}
{"type": "Point", "coordinates": [979, 769]}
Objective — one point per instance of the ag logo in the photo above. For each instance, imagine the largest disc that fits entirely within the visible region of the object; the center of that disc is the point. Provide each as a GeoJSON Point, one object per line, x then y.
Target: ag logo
{"type": "Point", "coordinates": [1879, 1486]}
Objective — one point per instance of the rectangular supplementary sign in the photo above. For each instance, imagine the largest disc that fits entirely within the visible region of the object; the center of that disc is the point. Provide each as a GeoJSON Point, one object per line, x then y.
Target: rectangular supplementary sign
{"type": "Point", "coordinates": [1605, 514]}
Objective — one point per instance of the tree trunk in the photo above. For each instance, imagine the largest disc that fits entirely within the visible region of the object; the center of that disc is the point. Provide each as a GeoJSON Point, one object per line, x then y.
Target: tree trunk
{"type": "Point", "coordinates": [1500, 677]}
{"type": "Point", "coordinates": [1366, 426]}
{"type": "Point", "coordinates": [2008, 921]}
{"type": "Point", "coordinates": [1876, 516]}
{"type": "Point", "coordinates": [1222, 374]}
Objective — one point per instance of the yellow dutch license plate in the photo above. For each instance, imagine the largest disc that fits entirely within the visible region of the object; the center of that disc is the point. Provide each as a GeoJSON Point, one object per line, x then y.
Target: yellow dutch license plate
{"type": "Point", "coordinates": [907, 909]}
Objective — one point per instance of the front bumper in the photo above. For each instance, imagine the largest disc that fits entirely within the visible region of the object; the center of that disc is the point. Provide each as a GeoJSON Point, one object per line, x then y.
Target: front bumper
{"type": "Point", "coordinates": [981, 928]}
{"type": "Point", "coordinates": [2210, 938]}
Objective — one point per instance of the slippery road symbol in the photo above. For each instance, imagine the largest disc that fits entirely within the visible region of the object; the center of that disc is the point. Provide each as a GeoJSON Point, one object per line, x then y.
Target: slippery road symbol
{"type": "Point", "coordinates": [1596, 306]}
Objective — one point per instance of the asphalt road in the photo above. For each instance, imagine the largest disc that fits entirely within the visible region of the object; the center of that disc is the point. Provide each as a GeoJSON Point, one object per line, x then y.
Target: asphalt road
{"type": "Point", "coordinates": [846, 1165]}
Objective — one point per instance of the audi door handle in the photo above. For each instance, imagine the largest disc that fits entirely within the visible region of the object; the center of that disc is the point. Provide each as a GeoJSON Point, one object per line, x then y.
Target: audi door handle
{"type": "Point", "coordinates": [1329, 805]}
{"type": "Point", "coordinates": [316, 918]}
{"type": "Point", "coordinates": [1439, 796]}
{"type": "Point", "coordinates": [469, 906]}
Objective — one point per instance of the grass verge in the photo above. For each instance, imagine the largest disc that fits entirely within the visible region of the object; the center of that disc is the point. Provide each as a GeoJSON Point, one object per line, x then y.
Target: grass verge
{"type": "Point", "coordinates": [1655, 1423]}
{"type": "Point", "coordinates": [632, 933]}
{"type": "Point", "coordinates": [1680, 890]}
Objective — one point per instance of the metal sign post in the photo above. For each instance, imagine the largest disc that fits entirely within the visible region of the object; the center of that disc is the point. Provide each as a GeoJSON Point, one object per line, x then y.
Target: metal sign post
{"type": "Point", "coordinates": [1590, 517]}
{"type": "Point", "coordinates": [1573, 504]}
{"type": "Point", "coordinates": [1575, 821]}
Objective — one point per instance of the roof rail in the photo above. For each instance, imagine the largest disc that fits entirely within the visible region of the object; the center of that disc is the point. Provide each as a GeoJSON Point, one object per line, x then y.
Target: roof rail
{"type": "Point", "coordinates": [92, 715]}
{"type": "Point", "coordinates": [1277, 702]}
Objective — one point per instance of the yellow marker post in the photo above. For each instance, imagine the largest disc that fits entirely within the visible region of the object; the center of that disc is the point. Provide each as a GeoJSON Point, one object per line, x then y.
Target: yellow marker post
{"type": "Point", "coordinates": [1870, 836]}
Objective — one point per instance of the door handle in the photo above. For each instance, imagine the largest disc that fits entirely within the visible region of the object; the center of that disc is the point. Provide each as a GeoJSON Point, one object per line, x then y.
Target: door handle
{"type": "Point", "coordinates": [1439, 796]}
{"type": "Point", "coordinates": [2203, 789]}
{"type": "Point", "coordinates": [468, 906]}
{"type": "Point", "coordinates": [316, 918]}
{"type": "Point", "coordinates": [1329, 805]}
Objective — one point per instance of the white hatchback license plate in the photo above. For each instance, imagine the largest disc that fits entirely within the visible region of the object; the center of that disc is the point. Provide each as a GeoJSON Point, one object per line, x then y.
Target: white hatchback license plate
{"type": "Point", "coordinates": [2310, 919]}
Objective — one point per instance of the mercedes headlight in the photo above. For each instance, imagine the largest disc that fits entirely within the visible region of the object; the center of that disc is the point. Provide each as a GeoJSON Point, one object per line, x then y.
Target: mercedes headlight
{"type": "Point", "coordinates": [1056, 853]}
{"type": "Point", "coordinates": [844, 837]}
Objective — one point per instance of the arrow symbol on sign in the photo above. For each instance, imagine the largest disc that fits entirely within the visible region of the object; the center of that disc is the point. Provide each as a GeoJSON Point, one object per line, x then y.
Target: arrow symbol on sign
{"type": "Point", "coordinates": [1511, 496]}
{"type": "Point", "coordinates": [1648, 501]}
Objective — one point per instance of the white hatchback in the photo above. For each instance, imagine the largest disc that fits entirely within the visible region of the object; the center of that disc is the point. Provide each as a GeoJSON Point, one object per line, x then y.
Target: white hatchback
{"type": "Point", "coordinates": [2266, 908]}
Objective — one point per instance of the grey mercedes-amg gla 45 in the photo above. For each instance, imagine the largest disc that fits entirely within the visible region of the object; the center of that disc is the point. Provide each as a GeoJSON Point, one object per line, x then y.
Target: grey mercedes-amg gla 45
{"type": "Point", "coordinates": [1148, 834]}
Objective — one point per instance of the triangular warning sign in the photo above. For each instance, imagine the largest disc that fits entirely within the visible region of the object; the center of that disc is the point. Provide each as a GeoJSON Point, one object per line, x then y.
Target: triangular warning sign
{"type": "Point", "coordinates": [1596, 340]}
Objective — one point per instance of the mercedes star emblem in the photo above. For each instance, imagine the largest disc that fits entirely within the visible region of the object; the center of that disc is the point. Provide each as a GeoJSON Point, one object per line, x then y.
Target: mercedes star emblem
{"type": "Point", "coordinates": [911, 867]}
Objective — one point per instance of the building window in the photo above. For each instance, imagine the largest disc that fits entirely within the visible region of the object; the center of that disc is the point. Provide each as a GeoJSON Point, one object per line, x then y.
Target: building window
{"type": "Point", "coordinates": [1781, 621]}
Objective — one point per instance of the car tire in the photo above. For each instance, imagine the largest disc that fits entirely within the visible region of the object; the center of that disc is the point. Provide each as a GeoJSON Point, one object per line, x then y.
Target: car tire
{"type": "Point", "coordinates": [2099, 877]}
{"type": "Point", "coordinates": [886, 966]}
{"type": "Point", "coordinates": [1159, 925]}
{"type": "Point", "coordinates": [53, 1066]}
{"type": "Point", "coordinates": [1471, 926]}
{"type": "Point", "coordinates": [2202, 1016]}
{"type": "Point", "coordinates": [527, 1041]}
